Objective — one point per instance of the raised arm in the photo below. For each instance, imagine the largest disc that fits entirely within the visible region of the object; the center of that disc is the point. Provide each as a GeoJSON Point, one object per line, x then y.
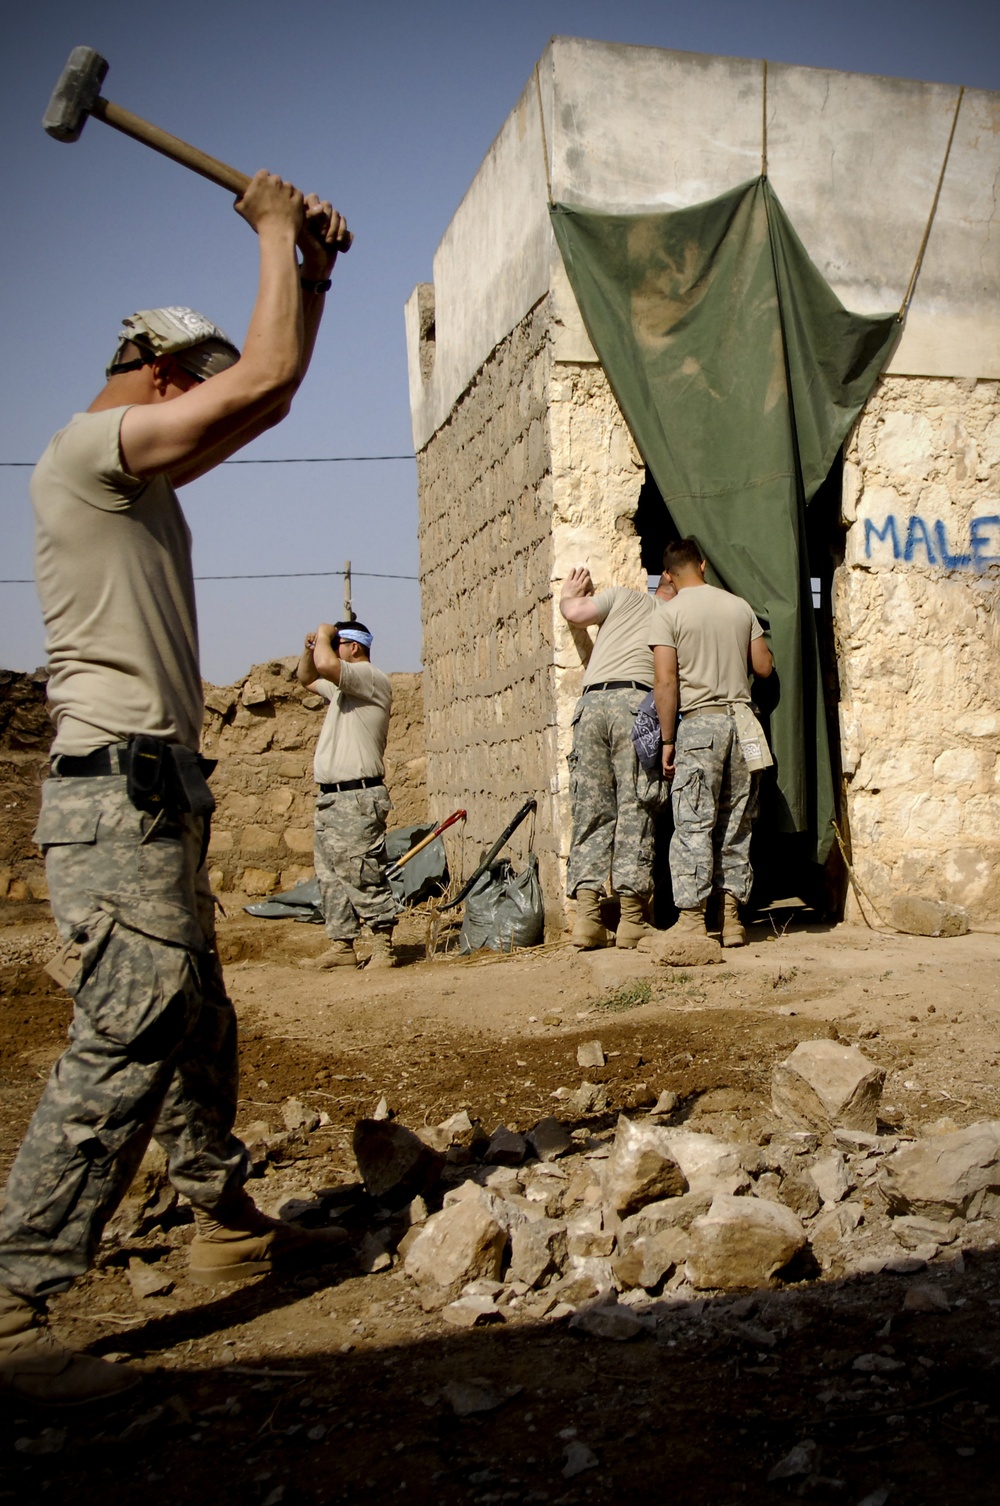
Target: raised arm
{"type": "Point", "coordinates": [576, 601]}
{"type": "Point", "coordinates": [319, 659]}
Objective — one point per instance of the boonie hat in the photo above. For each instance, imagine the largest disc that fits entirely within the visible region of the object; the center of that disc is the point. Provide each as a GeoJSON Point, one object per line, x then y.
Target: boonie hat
{"type": "Point", "coordinates": [194, 341]}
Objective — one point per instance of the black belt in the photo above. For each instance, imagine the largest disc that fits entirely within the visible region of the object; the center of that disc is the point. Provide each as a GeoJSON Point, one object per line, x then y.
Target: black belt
{"type": "Point", "coordinates": [109, 760]}
{"type": "Point", "coordinates": [352, 784]}
{"type": "Point", "coordinates": [616, 685]}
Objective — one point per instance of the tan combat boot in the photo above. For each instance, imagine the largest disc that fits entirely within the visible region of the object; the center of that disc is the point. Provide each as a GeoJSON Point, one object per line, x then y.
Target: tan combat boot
{"type": "Point", "coordinates": [236, 1240]}
{"type": "Point", "coordinates": [632, 926]}
{"type": "Point", "coordinates": [35, 1367]}
{"type": "Point", "coordinates": [339, 954]}
{"type": "Point", "coordinates": [382, 952]}
{"type": "Point", "coordinates": [589, 933]}
{"type": "Point", "coordinates": [689, 923]}
{"type": "Point", "coordinates": [733, 933]}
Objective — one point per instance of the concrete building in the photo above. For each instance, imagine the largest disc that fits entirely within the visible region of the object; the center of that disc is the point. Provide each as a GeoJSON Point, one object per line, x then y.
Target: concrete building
{"type": "Point", "coordinates": [526, 465]}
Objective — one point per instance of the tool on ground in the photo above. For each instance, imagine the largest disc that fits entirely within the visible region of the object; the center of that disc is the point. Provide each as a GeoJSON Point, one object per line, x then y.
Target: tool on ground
{"type": "Point", "coordinates": [394, 868]}
{"type": "Point", "coordinates": [501, 841]}
{"type": "Point", "coordinates": [77, 95]}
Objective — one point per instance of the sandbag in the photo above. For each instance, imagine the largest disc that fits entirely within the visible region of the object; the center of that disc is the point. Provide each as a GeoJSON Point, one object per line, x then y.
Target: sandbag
{"type": "Point", "coordinates": [504, 909]}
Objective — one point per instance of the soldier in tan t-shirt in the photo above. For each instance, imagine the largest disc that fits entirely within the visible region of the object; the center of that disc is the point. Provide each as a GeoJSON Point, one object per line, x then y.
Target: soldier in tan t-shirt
{"type": "Point", "coordinates": [612, 841]}
{"type": "Point", "coordinates": [124, 819]}
{"type": "Point", "coordinates": [706, 643]}
{"type": "Point", "coordinates": [352, 803]}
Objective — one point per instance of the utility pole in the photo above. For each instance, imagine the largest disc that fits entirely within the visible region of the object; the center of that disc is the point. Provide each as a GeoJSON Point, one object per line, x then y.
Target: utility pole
{"type": "Point", "coordinates": [349, 613]}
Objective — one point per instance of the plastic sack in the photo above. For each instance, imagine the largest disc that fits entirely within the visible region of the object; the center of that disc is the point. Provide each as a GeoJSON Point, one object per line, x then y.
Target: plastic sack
{"type": "Point", "coordinates": [424, 875]}
{"type": "Point", "coordinates": [504, 909]}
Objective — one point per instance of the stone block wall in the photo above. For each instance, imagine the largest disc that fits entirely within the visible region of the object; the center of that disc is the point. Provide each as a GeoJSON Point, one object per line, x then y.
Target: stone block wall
{"type": "Point", "coordinates": [917, 616]}
{"type": "Point", "coordinates": [486, 567]}
{"type": "Point", "coordinates": [262, 730]}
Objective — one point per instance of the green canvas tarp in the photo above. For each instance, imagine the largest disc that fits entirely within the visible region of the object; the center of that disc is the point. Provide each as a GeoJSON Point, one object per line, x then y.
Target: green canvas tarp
{"type": "Point", "coordinates": [739, 373]}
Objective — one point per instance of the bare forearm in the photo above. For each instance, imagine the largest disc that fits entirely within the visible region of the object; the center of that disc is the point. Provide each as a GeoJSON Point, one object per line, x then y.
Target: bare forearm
{"type": "Point", "coordinates": [275, 339]}
{"type": "Point", "coordinates": [665, 696]}
{"type": "Point", "coordinates": [306, 672]}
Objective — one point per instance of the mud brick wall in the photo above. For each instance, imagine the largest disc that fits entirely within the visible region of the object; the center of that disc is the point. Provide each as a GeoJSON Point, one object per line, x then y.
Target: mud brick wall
{"type": "Point", "coordinates": [917, 610]}
{"type": "Point", "coordinates": [486, 568]}
{"type": "Point", "coordinates": [262, 730]}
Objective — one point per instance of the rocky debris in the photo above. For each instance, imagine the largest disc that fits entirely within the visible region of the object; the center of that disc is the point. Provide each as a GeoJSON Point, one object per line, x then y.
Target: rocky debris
{"type": "Point", "coordinates": [590, 1054]}
{"type": "Point", "coordinates": [537, 1251]}
{"type": "Point", "coordinates": [824, 1083]}
{"type": "Point", "coordinates": [578, 1458]}
{"type": "Point", "coordinates": [926, 1299]}
{"type": "Point", "coordinates": [742, 1241]}
{"type": "Point", "coordinates": [914, 1231]}
{"type": "Point", "coordinates": [927, 917]}
{"type": "Point", "coordinates": [665, 1104]}
{"type": "Point", "coordinates": [641, 1168]}
{"type": "Point", "coordinates": [681, 951]}
{"type": "Point", "coordinates": [146, 1281]}
{"type": "Point", "coordinates": [506, 1147]}
{"type": "Point", "coordinates": [800, 1193]}
{"type": "Point", "coordinates": [708, 1164]}
{"type": "Point", "coordinates": [472, 1312]}
{"type": "Point", "coordinates": [297, 1116]}
{"type": "Point", "coordinates": [801, 1460]}
{"type": "Point", "coordinates": [950, 1175]}
{"type": "Point", "coordinates": [589, 1098]}
{"type": "Point", "coordinates": [586, 1236]}
{"type": "Point", "coordinates": [462, 1243]}
{"type": "Point", "coordinates": [646, 1259]}
{"type": "Point", "coordinates": [477, 1395]}
{"type": "Point", "coordinates": [829, 1174]}
{"type": "Point", "coordinates": [609, 1320]}
{"type": "Point", "coordinates": [373, 1255]}
{"type": "Point", "coordinates": [150, 1196]}
{"type": "Point", "coordinates": [549, 1139]}
{"type": "Point", "coordinates": [395, 1164]}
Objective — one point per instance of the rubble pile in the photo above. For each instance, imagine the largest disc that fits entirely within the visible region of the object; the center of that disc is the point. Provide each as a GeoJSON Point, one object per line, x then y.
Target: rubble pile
{"type": "Point", "coordinates": [611, 1226]}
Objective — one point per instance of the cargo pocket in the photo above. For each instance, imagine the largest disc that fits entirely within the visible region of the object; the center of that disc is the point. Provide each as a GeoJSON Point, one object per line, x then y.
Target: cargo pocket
{"type": "Point", "coordinates": [138, 993]}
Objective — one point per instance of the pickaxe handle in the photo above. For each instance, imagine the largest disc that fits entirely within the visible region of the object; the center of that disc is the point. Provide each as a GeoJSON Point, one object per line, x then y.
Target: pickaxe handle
{"type": "Point", "coordinates": [170, 146]}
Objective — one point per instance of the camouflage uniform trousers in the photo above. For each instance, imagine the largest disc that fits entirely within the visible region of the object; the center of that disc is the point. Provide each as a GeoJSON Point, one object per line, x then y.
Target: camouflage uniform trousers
{"type": "Point", "coordinates": [714, 804]}
{"type": "Point", "coordinates": [152, 1042]}
{"type": "Point", "coordinates": [609, 792]}
{"type": "Point", "coordinates": [350, 859]}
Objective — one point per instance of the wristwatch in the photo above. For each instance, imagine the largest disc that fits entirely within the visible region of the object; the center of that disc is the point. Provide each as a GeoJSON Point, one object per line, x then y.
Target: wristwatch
{"type": "Point", "coordinates": [320, 285]}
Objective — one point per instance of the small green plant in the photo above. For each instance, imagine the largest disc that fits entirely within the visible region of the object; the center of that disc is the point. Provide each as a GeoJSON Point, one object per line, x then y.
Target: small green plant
{"type": "Point", "coordinates": [629, 996]}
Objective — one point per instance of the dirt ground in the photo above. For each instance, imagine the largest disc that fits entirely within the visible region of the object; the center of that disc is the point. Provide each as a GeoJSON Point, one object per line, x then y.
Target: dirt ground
{"type": "Point", "coordinates": [331, 1387]}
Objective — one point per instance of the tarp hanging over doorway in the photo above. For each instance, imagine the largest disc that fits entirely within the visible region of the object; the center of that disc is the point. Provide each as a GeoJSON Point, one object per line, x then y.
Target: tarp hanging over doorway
{"type": "Point", "coordinates": [739, 373]}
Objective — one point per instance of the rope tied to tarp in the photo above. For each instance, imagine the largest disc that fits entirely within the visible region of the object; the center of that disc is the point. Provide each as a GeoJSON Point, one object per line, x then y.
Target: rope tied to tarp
{"type": "Point", "coordinates": [930, 219]}
{"type": "Point", "coordinates": [545, 143]}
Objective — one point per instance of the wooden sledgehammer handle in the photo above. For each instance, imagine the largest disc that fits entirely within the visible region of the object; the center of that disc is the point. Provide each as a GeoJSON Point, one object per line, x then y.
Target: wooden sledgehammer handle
{"type": "Point", "coordinates": [170, 146]}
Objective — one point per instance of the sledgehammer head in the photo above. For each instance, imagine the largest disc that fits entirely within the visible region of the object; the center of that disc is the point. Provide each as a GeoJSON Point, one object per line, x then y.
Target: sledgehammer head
{"type": "Point", "coordinates": [75, 94]}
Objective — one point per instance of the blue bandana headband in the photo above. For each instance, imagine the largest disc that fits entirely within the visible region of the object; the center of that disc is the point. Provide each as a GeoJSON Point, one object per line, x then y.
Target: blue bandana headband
{"type": "Point", "coordinates": [355, 635]}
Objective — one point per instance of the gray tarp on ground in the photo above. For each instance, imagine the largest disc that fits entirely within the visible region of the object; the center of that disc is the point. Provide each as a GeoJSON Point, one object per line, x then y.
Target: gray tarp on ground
{"type": "Point", "coordinates": [739, 373]}
{"type": "Point", "coordinates": [424, 875]}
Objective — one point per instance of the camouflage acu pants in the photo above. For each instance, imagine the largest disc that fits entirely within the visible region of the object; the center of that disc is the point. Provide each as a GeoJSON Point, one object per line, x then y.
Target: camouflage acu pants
{"type": "Point", "coordinates": [350, 859]}
{"type": "Point", "coordinates": [714, 803]}
{"type": "Point", "coordinates": [612, 827]}
{"type": "Point", "coordinates": [152, 1043]}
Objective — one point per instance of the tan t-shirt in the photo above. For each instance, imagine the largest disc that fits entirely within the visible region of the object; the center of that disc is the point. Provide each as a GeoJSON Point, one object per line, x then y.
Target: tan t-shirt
{"type": "Point", "coordinates": [113, 567]}
{"type": "Point", "coordinates": [622, 650]}
{"type": "Point", "coordinates": [356, 725]}
{"type": "Point", "coordinates": [712, 631]}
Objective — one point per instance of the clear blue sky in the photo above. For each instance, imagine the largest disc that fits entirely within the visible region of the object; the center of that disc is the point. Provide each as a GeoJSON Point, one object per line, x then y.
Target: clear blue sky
{"type": "Point", "coordinates": [388, 109]}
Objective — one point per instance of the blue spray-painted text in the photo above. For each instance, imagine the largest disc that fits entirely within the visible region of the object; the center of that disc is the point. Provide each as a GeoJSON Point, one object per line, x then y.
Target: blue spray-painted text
{"type": "Point", "coordinates": [927, 543]}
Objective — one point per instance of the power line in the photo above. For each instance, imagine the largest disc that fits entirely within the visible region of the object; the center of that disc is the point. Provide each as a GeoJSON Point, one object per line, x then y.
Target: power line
{"type": "Point", "coordinates": [272, 575]}
{"type": "Point", "coordinates": [288, 460]}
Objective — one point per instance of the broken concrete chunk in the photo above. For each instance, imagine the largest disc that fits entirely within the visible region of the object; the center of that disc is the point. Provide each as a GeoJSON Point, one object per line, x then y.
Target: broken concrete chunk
{"type": "Point", "coordinates": [394, 1163]}
{"type": "Point", "coordinates": [927, 917]}
{"type": "Point", "coordinates": [462, 1243]}
{"type": "Point", "coordinates": [590, 1054]}
{"type": "Point", "coordinates": [944, 1176]}
{"type": "Point", "coordinates": [641, 1168]}
{"type": "Point", "coordinates": [297, 1116]}
{"type": "Point", "coordinates": [709, 1164]}
{"type": "Point", "coordinates": [506, 1147]}
{"type": "Point", "coordinates": [742, 1241]}
{"type": "Point", "coordinates": [645, 1259]}
{"type": "Point", "coordinates": [589, 1098]}
{"type": "Point", "coordinates": [538, 1251]}
{"type": "Point", "coordinates": [800, 1193]}
{"type": "Point", "coordinates": [146, 1281]}
{"type": "Point", "coordinates": [829, 1173]}
{"type": "Point", "coordinates": [609, 1321]}
{"type": "Point", "coordinates": [550, 1139]}
{"type": "Point", "coordinates": [471, 1312]}
{"type": "Point", "coordinates": [824, 1083]}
